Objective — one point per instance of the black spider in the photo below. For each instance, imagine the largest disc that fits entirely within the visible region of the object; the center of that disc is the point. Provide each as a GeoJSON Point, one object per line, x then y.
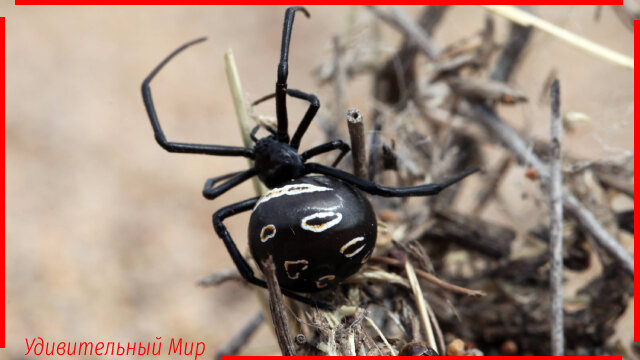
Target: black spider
{"type": "Point", "coordinates": [319, 230]}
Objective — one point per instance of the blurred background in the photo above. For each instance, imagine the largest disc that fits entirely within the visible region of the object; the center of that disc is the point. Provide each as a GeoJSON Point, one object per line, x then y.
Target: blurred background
{"type": "Point", "coordinates": [107, 233]}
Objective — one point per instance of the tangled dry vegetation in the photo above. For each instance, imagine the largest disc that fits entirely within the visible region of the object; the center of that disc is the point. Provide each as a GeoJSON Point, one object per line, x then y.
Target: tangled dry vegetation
{"type": "Point", "coordinates": [404, 300]}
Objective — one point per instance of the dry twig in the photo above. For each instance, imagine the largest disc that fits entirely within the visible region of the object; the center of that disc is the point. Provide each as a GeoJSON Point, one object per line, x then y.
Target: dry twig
{"type": "Point", "coordinates": [276, 305]}
{"type": "Point", "coordinates": [241, 338]}
{"type": "Point", "coordinates": [555, 215]}
{"type": "Point", "coordinates": [516, 42]}
{"type": "Point", "coordinates": [224, 275]}
{"type": "Point", "coordinates": [340, 79]}
{"type": "Point", "coordinates": [358, 151]}
{"type": "Point", "coordinates": [409, 28]}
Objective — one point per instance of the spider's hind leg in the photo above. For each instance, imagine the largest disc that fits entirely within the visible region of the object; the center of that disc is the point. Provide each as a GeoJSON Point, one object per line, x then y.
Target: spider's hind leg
{"type": "Point", "coordinates": [242, 265]}
{"type": "Point", "coordinates": [386, 191]}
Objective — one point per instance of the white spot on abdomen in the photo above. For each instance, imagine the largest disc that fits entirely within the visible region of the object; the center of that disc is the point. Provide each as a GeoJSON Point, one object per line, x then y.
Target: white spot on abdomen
{"type": "Point", "coordinates": [323, 281]}
{"type": "Point", "coordinates": [287, 264]}
{"type": "Point", "coordinates": [345, 247]}
{"type": "Point", "coordinates": [366, 257]}
{"type": "Point", "coordinates": [292, 189]}
{"type": "Point", "coordinates": [267, 232]}
{"type": "Point", "coordinates": [321, 221]}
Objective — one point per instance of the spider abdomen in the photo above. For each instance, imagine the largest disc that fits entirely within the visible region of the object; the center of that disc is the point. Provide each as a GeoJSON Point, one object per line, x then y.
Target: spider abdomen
{"type": "Point", "coordinates": [319, 231]}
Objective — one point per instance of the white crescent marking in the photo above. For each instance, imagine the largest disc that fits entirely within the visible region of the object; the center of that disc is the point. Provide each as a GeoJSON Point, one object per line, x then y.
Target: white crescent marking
{"type": "Point", "coordinates": [291, 189]}
{"type": "Point", "coordinates": [351, 242]}
{"type": "Point", "coordinates": [326, 277]}
{"type": "Point", "coordinates": [320, 215]}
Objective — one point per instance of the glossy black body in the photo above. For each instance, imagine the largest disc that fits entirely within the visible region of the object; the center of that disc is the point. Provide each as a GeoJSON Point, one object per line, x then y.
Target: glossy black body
{"type": "Point", "coordinates": [277, 162]}
{"type": "Point", "coordinates": [306, 260]}
{"type": "Point", "coordinates": [312, 229]}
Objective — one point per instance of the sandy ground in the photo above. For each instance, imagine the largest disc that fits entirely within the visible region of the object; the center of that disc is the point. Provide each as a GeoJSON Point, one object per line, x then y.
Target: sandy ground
{"type": "Point", "coordinates": [107, 234]}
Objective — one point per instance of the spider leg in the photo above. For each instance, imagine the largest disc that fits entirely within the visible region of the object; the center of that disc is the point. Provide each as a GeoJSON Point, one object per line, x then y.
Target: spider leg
{"type": "Point", "coordinates": [386, 191]}
{"type": "Point", "coordinates": [320, 149]}
{"type": "Point", "coordinates": [157, 129]}
{"type": "Point", "coordinates": [214, 180]}
{"type": "Point", "coordinates": [253, 133]}
{"type": "Point", "coordinates": [283, 73]}
{"type": "Point", "coordinates": [255, 129]}
{"type": "Point", "coordinates": [236, 178]}
{"type": "Point", "coordinates": [314, 105]}
{"type": "Point", "coordinates": [263, 99]}
{"type": "Point", "coordinates": [242, 265]}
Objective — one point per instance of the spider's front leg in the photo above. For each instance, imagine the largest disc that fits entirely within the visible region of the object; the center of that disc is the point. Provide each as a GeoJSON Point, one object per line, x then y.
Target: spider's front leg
{"type": "Point", "coordinates": [314, 105]}
{"type": "Point", "coordinates": [386, 191]}
{"type": "Point", "coordinates": [157, 129]}
{"type": "Point", "coordinates": [312, 110]}
{"type": "Point", "coordinates": [236, 178]}
{"type": "Point", "coordinates": [242, 265]}
{"type": "Point", "coordinates": [321, 149]}
{"type": "Point", "coordinates": [283, 73]}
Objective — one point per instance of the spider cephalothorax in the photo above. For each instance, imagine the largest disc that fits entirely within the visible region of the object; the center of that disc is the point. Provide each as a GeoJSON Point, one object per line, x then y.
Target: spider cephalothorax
{"type": "Point", "coordinates": [277, 162]}
{"type": "Point", "coordinates": [318, 229]}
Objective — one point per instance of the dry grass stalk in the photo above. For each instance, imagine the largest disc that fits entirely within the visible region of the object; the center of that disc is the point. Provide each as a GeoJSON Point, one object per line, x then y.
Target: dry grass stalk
{"type": "Point", "coordinates": [422, 307]}
{"type": "Point", "coordinates": [526, 19]}
{"type": "Point", "coordinates": [430, 278]}
{"type": "Point", "coordinates": [373, 325]}
{"type": "Point", "coordinates": [242, 115]}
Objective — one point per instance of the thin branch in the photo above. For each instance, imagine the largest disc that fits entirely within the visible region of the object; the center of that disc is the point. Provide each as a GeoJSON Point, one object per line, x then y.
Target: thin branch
{"type": "Point", "coordinates": [472, 88]}
{"type": "Point", "coordinates": [217, 278]}
{"type": "Point", "coordinates": [484, 116]}
{"type": "Point", "coordinates": [358, 150]}
{"type": "Point", "coordinates": [430, 278]}
{"type": "Point", "coordinates": [493, 180]}
{"type": "Point", "coordinates": [627, 13]}
{"type": "Point", "coordinates": [487, 118]}
{"type": "Point", "coordinates": [276, 305]}
{"type": "Point", "coordinates": [614, 182]}
{"type": "Point", "coordinates": [399, 20]}
{"type": "Point", "coordinates": [555, 215]}
{"type": "Point", "coordinates": [241, 338]}
{"type": "Point", "coordinates": [516, 42]}
{"type": "Point", "coordinates": [340, 79]}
